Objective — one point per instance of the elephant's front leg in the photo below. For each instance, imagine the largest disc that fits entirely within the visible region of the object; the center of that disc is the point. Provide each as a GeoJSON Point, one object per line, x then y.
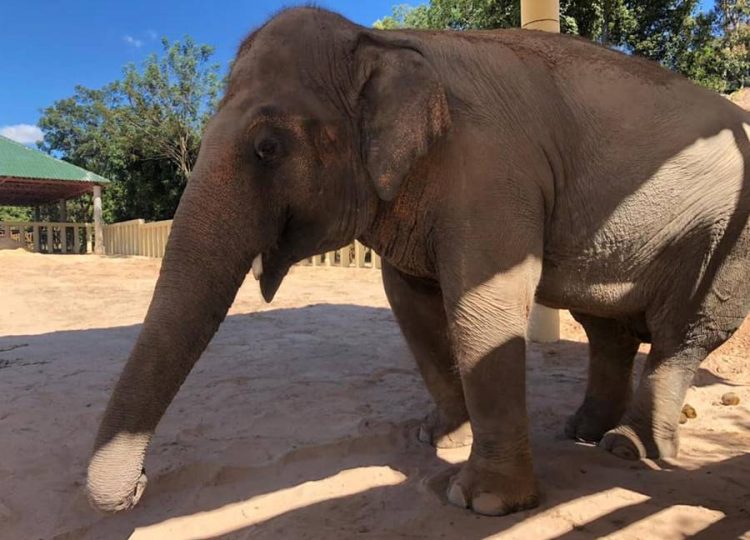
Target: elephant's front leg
{"type": "Point", "coordinates": [420, 312]}
{"type": "Point", "coordinates": [488, 328]}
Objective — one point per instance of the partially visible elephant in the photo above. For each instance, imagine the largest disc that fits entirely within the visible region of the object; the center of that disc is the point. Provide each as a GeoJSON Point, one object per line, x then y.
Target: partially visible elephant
{"type": "Point", "coordinates": [486, 168]}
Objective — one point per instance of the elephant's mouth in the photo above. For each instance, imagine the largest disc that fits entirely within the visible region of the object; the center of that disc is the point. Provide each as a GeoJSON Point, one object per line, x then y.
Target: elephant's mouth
{"type": "Point", "coordinates": [272, 265]}
{"type": "Point", "coordinates": [269, 269]}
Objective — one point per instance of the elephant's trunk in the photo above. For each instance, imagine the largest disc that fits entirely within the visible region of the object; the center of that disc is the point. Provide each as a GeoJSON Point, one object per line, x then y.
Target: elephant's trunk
{"type": "Point", "coordinates": [206, 260]}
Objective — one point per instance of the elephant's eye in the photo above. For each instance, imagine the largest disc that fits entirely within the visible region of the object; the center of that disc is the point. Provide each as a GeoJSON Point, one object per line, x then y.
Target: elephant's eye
{"type": "Point", "coordinates": [267, 149]}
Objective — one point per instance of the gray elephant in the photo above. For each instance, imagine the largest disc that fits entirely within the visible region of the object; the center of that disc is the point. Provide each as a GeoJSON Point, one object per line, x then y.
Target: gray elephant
{"type": "Point", "coordinates": [487, 168]}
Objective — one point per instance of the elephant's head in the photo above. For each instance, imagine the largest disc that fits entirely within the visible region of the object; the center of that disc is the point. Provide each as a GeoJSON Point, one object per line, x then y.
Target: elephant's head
{"type": "Point", "coordinates": [321, 122]}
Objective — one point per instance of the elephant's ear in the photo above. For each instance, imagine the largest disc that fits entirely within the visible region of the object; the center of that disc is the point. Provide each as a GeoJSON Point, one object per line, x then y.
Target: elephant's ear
{"type": "Point", "coordinates": [403, 111]}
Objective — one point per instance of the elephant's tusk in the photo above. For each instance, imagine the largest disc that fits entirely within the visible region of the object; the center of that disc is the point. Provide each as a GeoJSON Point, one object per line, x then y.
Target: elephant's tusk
{"type": "Point", "coordinates": [258, 267]}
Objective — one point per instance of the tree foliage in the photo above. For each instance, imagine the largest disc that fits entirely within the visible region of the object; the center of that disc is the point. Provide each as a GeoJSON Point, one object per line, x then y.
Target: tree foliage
{"type": "Point", "coordinates": [14, 213]}
{"type": "Point", "coordinates": [731, 20]}
{"type": "Point", "coordinates": [712, 47]}
{"type": "Point", "coordinates": [169, 102]}
{"type": "Point", "coordinates": [142, 131]}
{"type": "Point", "coordinates": [405, 16]}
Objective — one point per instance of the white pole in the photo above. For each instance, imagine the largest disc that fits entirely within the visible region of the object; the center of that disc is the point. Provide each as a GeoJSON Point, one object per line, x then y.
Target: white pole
{"type": "Point", "coordinates": [540, 15]}
{"type": "Point", "coordinates": [98, 224]}
{"type": "Point", "coordinates": [544, 323]}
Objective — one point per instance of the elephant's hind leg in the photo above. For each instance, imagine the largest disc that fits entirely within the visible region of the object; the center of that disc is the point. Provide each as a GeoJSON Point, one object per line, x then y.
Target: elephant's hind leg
{"type": "Point", "coordinates": [684, 330]}
{"type": "Point", "coordinates": [649, 427]}
{"type": "Point", "coordinates": [612, 348]}
{"type": "Point", "coordinates": [420, 312]}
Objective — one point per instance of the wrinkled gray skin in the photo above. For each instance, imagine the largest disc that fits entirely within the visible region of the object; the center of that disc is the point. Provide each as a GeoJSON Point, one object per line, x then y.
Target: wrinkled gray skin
{"type": "Point", "coordinates": [485, 168]}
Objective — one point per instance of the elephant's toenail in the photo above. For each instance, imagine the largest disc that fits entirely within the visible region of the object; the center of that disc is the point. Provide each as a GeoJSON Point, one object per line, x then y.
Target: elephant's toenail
{"type": "Point", "coordinates": [456, 496]}
{"type": "Point", "coordinates": [489, 505]}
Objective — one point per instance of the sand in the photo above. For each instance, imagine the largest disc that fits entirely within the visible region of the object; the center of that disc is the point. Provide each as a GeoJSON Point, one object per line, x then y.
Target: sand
{"type": "Point", "coordinates": [300, 421]}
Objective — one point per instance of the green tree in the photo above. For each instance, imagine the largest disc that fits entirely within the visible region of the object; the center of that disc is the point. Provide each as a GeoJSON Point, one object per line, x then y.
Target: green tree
{"type": "Point", "coordinates": [143, 131]}
{"type": "Point", "coordinates": [659, 30]}
{"type": "Point", "coordinates": [717, 47]}
{"type": "Point", "coordinates": [454, 14]}
{"type": "Point", "coordinates": [732, 15]}
{"type": "Point", "coordinates": [169, 102]}
{"type": "Point", "coordinates": [733, 19]}
{"type": "Point", "coordinates": [14, 213]}
{"type": "Point", "coordinates": [405, 16]}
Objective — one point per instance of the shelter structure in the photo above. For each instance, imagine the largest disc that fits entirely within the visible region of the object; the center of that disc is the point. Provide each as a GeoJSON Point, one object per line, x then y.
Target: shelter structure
{"type": "Point", "coordinates": [31, 178]}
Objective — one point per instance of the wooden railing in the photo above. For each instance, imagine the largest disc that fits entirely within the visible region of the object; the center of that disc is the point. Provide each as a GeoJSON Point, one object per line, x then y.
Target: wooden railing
{"type": "Point", "coordinates": [136, 237]}
{"type": "Point", "coordinates": [355, 255]}
{"type": "Point", "coordinates": [45, 237]}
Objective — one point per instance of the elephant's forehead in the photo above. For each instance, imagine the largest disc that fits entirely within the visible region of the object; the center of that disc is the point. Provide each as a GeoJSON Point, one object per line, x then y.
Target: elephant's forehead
{"type": "Point", "coordinates": [264, 63]}
{"type": "Point", "coordinates": [293, 41]}
{"type": "Point", "coordinates": [294, 84]}
{"type": "Point", "coordinates": [277, 97]}
{"type": "Point", "coordinates": [300, 61]}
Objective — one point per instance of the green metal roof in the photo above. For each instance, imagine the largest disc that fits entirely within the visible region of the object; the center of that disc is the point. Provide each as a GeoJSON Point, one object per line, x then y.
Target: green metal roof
{"type": "Point", "coordinates": [19, 161]}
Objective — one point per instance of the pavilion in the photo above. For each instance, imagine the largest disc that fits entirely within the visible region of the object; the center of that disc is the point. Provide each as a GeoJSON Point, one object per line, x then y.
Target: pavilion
{"type": "Point", "coordinates": [31, 178]}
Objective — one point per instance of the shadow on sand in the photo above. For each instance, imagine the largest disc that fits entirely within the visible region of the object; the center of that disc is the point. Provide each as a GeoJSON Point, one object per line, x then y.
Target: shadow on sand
{"type": "Point", "coordinates": [351, 372]}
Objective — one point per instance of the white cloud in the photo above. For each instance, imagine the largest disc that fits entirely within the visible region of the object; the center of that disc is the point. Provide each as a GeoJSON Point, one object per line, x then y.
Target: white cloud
{"type": "Point", "coordinates": [23, 133]}
{"type": "Point", "coordinates": [130, 40]}
{"type": "Point", "coordinates": [151, 34]}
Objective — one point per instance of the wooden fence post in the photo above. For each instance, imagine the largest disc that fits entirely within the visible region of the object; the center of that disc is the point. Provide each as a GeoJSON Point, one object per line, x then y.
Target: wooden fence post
{"type": "Point", "coordinates": [64, 239]}
{"type": "Point", "coordinates": [359, 255]}
{"type": "Point", "coordinates": [76, 239]}
{"type": "Point", "coordinates": [36, 238]}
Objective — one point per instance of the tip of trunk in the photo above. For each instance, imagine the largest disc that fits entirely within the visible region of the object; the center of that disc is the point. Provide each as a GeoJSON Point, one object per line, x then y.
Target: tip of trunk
{"type": "Point", "coordinates": [111, 503]}
{"type": "Point", "coordinates": [116, 479]}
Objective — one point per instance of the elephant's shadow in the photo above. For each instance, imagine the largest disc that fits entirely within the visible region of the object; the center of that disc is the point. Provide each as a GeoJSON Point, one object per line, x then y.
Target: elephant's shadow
{"type": "Point", "coordinates": [198, 477]}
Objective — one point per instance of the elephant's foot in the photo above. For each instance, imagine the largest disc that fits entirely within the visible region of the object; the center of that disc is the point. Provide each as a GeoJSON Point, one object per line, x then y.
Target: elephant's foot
{"type": "Point", "coordinates": [495, 491]}
{"type": "Point", "coordinates": [627, 442]}
{"type": "Point", "coordinates": [592, 420]}
{"type": "Point", "coordinates": [443, 432]}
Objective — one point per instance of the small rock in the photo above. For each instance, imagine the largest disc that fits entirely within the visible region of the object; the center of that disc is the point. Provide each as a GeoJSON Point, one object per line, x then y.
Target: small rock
{"type": "Point", "coordinates": [683, 418]}
{"type": "Point", "coordinates": [730, 398]}
{"type": "Point", "coordinates": [689, 411]}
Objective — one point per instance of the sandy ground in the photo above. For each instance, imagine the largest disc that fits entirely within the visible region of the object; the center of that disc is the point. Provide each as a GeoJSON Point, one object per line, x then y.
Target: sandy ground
{"type": "Point", "coordinates": [300, 422]}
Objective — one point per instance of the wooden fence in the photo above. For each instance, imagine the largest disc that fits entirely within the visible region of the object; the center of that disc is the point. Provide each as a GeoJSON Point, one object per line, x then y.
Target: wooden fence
{"type": "Point", "coordinates": [45, 237]}
{"type": "Point", "coordinates": [355, 255]}
{"type": "Point", "coordinates": [136, 237]}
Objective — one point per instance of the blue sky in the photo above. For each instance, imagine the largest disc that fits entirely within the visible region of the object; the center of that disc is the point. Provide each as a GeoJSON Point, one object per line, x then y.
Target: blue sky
{"type": "Point", "coordinates": [47, 47]}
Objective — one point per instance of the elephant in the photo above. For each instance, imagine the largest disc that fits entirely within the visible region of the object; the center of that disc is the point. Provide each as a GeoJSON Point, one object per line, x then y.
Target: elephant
{"type": "Point", "coordinates": [489, 169]}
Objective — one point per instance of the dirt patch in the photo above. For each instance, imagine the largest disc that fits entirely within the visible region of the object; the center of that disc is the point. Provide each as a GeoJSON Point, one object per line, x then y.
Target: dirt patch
{"type": "Point", "coordinates": [300, 422]}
